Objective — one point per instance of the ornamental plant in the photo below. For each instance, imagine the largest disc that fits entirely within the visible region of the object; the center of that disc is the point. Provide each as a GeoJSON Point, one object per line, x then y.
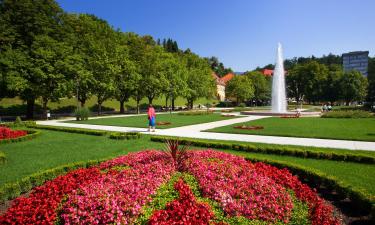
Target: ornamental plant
{"type": "Point", "coordinates": [178, 154]}
{"type": "Point", "coordinates": [7, 133]}
{"type": "Point", "coordinates": [121, 190]}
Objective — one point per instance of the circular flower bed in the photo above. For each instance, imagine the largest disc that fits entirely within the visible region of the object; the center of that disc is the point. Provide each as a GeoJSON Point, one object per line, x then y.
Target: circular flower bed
{"type": "Point", "coordinates": [7, 133]}
{"type": "Point", "coordinates": [210, 187]}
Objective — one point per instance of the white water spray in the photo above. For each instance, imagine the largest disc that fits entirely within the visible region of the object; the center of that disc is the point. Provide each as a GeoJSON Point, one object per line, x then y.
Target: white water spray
{"type": "Point", "coordinates": [279, 104]}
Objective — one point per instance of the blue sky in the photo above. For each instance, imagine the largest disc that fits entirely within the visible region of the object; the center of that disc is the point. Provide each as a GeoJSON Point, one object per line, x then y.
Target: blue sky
{"type": "Point", "coordinates": [243, 34]}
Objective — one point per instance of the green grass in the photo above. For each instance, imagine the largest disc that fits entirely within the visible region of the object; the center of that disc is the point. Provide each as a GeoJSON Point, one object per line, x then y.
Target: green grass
{"type": "Point", "coordinates": [175, 119]}
{"type": "Point", "coordinates": [52, 149]}
{"type": "Point", "coordinates": [329, 128]}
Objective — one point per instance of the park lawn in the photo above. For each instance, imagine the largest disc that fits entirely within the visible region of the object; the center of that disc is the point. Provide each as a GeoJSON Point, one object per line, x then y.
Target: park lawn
{"type": "Point", "coordinates": [311, 127]}
{"type": "Point", "coordinates": [52, 149]}
{"type": "Point", "coordinates": [175, 119]}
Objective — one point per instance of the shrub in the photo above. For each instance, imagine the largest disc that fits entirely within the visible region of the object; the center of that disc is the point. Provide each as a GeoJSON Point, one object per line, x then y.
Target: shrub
{"type": "Point", "coordinates": [125, 135]}
{"type": "Point", "coordinates": [348, 114]}
{"type": "Point", "coordinates": [82, 113]}
{"type": "Point", "coordinates": [242, 105]}
{"type": "Point", "coordinates": [71, 130]}
{"type": "Point", "coordinates": [18, 120]}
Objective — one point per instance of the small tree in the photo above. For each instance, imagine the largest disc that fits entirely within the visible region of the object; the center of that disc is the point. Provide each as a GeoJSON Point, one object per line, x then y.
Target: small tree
{"type": "Point", "coordinates": [241, 88]}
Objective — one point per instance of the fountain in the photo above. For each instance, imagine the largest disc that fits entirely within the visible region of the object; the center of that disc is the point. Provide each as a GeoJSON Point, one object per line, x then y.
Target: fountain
{"type": "Point", "coordinates": [279, 101]}
{"type": "Point", "coordinates": [279, 104]}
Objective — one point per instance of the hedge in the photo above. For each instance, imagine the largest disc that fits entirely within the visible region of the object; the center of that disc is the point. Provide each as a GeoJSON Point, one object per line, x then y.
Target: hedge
{"type": "Point", "coordinates": [18, 124]}
{"type": "Point", "coordinates": [12, 190]}
{"type": "Point", "coordinates": [275, 150]}
{"type": "Point", "coordinates": [2, 157]}
{"type": "Point", "coordinates": [195, 113]}
{"type": "Point", "coordinates": [31, 134]}
{"type": "Point", "coordinates": [70, 130]}
{"type": "Point", "coordinates": [125, 135]}
{"type": "Point", "coordinates": [348, 114]}
{"type": "Point", "coordinates": [360, 199]}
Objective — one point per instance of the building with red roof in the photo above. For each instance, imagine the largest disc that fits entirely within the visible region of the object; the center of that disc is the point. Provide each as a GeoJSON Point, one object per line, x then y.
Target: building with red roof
{"type": "Point", "coordinates": [221, 83]}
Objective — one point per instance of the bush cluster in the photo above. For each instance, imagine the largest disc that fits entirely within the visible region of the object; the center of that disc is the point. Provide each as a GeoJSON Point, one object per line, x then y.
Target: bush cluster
{"type": "Point", "coordinates": [18, 123]}
{"type": "Point", "coordinates": [125, 135]}
{"type": "Point", "coordinates": [196, 113]}
{"type": "Point", "coordinates": [82, 113]}
{"type": "Point", "coordinates": [360, 199]}
{"type": "Point", "coordinates": [348, 114]}
{"type": "Point", "coordinates": [30, 135]}
{"type": "Point", "coordinates": [289, 151]}
{"type": "Point", "coordinates": [71, 130]}
{"type": "Point", "coordinates": [15, 189]}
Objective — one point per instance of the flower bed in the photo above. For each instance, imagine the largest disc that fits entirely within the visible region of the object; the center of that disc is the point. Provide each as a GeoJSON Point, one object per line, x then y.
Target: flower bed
{"type": "Point", "coordinates": [121, 190]}
{"type": "Point", "coordinates": [7, 133]}
{"type": "Point", "coordinates": [161, 123]}
{"type": "Point", "coordinates": [244, 127]}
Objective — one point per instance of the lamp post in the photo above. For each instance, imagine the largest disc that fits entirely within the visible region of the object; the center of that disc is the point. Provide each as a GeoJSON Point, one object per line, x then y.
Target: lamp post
{"type": "Point", "coordinates": [170, 96]}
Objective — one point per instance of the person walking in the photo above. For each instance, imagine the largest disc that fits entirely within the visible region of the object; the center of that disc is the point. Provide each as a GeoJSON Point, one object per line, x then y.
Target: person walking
{"type": "Point", "coordinates": [151, 118]}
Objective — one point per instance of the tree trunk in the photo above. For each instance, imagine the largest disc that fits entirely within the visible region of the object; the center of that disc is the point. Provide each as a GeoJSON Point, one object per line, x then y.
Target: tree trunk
{"type": "Point", "coordinates": [173, 103]}
{"type": "Point", "coordinates": [83, 102]}
{"type": "Point", "coordinates": [166, 101]}
{"type": "Point", "coordinates": [150, 99]}
{"type": "Point", "coordinates": [44, 116]}
{"type": "Point", "coordinates": [30, 108]}
{"type": "Point", "coordinates": [122, 108]}
{"type": "Point", "coordinates": [100, 108]}
{"type": "Point", "coordinates": [138, 106]}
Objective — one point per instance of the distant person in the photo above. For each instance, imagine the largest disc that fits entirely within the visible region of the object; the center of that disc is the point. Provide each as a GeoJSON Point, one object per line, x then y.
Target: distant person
{"type": "Point", "coordinates": [324, 108]}
{"type": "Point", "coordinates": [329, 107]}
{"type": "Point", "coordinates": [151, 118]}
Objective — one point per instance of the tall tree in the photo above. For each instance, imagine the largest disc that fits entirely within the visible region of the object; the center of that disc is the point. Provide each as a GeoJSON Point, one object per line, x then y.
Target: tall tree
{"type": "Point", "coordinates": [262, 87]}
{"type": "Point", "coordinates": [127, 75]}
{"type": "Point", "coordinates": [332, 85]}
{"type": "Point", "coordinates": [371, 81]}
{"type": "Point", "coordinates": [353, 86]}
{"type": "Point", "coordinates": [217, 66]}
{"type": "Point", "coordinates": [22, 21]}
{"type": "Point", "coordinates": [200, 82]}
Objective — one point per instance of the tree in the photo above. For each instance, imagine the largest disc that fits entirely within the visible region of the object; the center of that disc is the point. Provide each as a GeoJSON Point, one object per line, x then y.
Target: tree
{"type": "Point", "coordinates": [262, 87]}
{"type": "Point", "coordinates": [127, 76]}
{"type": "Point", "coordinates": [331, 85]}
{"type": "Point", "coordinates": [218, 67]}
{"type": "Point", "coordinates": [306, 80]}
{"type": "Point", "coordinates": [21, 22]}
{"type": "Point", "coordinates": [241, 88]}
{"type": "Point", "coordinates": [49, 59]}
{"type": "Point", "coordinates": [353, 86]}
{"type": "Point", "coordinates": [200, 82]}
{"type": "Point", "coordinates": [175, 74]}
{"type": "Point", "coordinates": [371, 81]}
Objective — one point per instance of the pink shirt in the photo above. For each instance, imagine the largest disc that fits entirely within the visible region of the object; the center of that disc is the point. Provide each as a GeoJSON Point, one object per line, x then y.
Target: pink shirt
{"type": "Point", "coordinates": [151, 112]}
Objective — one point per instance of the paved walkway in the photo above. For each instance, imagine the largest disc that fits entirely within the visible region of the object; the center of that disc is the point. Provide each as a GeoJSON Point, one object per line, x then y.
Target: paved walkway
{"type": "Point", "coordinates": [196, 131]}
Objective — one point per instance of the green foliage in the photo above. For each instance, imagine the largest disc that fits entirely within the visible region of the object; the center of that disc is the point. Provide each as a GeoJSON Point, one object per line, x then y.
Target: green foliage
{"type": "Point", "coordinates": [262, 87]}
{"type": "Point", "coordinates": [241, 88]}
{"type": "Point", "coordinates": [18, 121]}
{"type": "Point", "coordinates": [348, 114]}
{"type": "Point", "coordinates": [125, 135]}
{"type": "Point", "coordinates": [71, 130]}
{"type": "Point", "coordinates": [242, 105]}
{"type": "Point", "coordinates": [19, 124]}
{"type": "Point", "coordinates": [218, 67]}
{"type": "Point", "coordinates": [353, 86]}
{"type": "Point", "coordinates": [82, 113]}
{"type": "Point", "coordinates": [274, 150]}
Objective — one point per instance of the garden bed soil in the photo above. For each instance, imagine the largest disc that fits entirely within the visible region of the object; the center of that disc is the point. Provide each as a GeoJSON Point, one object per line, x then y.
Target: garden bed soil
{"type": "Point", "coordinates": [244, 127]}
{"type": "Point", "coordinates": [161, 123]}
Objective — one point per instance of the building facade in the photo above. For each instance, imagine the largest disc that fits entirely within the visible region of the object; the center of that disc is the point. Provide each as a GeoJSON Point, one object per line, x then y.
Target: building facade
{"type": "Point", "coordinates": [356, 61]}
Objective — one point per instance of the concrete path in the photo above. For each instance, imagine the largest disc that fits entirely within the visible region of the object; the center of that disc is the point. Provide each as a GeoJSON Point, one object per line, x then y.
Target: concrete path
{"type": "Point", "coordinates": [196, 131]}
